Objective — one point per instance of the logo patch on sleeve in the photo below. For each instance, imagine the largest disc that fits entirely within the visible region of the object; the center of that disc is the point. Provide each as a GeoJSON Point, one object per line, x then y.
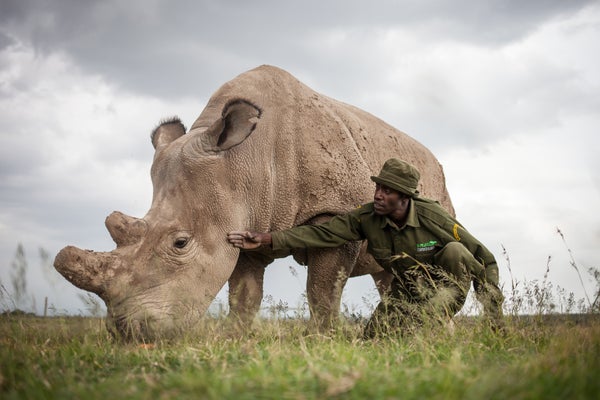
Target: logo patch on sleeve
{"type": "Point", "coordinates": [427, 246]}
{"type": "Point", "coordinates": [455, 231]}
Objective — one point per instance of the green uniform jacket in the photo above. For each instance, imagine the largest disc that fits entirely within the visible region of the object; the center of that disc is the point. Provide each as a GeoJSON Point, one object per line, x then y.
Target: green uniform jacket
{"type": "Point", "coordinates": [428, 228]}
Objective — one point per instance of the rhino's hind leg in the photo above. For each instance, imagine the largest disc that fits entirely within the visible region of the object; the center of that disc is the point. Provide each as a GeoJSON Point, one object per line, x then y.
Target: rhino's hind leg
{"type": "Point", "coordinates": [383, 282]}
{"type": "Point", "coordinates": [246, 288]}
{"type": "Point", "coordinates": [328, 271]}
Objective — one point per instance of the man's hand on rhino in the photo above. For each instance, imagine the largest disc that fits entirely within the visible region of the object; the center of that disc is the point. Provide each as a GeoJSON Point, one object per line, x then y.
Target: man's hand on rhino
{"type": "Point", "coordinates": [248, 240]}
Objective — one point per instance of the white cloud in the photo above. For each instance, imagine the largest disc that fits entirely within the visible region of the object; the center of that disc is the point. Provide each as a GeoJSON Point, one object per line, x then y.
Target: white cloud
{"type": "Point", "coordinates": [73, 149]}
{"type": "Point", "coordinates": [517, 192]}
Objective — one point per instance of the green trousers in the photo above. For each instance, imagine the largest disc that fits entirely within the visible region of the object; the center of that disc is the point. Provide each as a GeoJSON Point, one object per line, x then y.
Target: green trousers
{"type": "Point", "coordinates": [426, 293]}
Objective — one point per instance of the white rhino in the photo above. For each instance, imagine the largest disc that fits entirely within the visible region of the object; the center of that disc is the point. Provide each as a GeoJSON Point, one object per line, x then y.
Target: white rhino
{"type": "Point", "coordinates": [267, 153]}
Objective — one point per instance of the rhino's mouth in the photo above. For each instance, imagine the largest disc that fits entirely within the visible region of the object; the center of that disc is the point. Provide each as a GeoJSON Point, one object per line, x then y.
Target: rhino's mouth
{"type": "Point", "coordinates": [130, 329]}
{"type": "Point", "coordinates": [143, 326]}
{"type": "Point", "coordinates": [130, 322]}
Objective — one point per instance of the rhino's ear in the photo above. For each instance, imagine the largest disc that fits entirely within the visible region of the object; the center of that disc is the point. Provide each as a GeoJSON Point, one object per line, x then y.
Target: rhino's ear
{"type": "Point", "coordinates": [167, 131]}
{"type": "Point", "coordinates": [238, 120]}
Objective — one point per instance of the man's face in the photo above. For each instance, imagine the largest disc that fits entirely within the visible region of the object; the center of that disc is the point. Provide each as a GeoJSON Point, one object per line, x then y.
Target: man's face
{"type": "Point", "coordinates": [385, 200]}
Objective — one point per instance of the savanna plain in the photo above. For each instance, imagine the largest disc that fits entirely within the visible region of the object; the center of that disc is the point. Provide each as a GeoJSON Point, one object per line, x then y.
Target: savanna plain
{"type": "Point", "coordinates": [548, 349]}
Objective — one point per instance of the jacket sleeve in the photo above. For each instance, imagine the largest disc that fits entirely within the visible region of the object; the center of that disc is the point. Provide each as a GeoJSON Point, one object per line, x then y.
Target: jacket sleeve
{"type": "Point", "coordinates": [333, 233]}
{"type": "Point", "coordinates": [486, 285]}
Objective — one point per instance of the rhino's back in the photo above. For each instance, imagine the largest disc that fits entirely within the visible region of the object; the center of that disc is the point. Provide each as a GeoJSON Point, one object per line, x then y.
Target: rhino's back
{"type": "Point", "coordinates": [377, 141]}
{"type": "Point", "coordinates": [323, 151]}
{"type": "Point", "coordinates": [343, 146]}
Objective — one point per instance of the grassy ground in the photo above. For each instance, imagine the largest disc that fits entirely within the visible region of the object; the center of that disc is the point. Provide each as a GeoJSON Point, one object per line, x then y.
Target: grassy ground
{"type": "Point", "coordinates": [73, 357]}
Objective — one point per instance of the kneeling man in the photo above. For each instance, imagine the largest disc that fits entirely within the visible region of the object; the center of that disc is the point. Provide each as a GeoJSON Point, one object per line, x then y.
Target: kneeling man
{"type": "Point", "coordinates": [432, 257]}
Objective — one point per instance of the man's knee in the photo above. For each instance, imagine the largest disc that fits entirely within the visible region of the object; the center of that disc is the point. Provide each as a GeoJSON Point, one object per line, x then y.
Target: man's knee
{"type": "Point", "coordinates": [456, 258]}
{"type": "Point", "coordinates": [453, 253]}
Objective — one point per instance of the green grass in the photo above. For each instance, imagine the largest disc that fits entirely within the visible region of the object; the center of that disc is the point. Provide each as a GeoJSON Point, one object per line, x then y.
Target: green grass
{"type": "Point", "coordinates": [70, 357]}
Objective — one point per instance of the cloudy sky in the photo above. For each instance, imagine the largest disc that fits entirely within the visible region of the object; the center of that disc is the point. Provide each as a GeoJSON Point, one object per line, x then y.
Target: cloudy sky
{"type": "Point", "coordinates": [505, 93]}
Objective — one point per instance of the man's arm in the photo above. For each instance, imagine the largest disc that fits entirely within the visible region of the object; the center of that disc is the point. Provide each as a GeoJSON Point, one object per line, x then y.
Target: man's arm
{"type": "Point", "coordinates": [486, 284]}
{"type": "Point", "coordinates": [333, 233]}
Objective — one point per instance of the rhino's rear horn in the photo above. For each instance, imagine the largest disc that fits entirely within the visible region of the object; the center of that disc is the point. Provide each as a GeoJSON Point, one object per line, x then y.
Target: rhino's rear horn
{"type": "Point", "coordinates": [125, 230]}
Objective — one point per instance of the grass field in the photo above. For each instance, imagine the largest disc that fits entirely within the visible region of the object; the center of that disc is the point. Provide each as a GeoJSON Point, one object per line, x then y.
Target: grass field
{"type": "Point", "coordinates": [549, 357]}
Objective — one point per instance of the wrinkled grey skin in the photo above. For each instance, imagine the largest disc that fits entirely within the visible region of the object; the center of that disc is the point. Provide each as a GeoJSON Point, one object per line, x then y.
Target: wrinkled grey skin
{"type": "Point", "coordinates": [267, 153]}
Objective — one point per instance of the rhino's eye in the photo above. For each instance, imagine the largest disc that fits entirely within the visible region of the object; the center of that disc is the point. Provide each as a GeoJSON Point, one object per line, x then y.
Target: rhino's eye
{"type": "Point", "coordinates": [180, 243]}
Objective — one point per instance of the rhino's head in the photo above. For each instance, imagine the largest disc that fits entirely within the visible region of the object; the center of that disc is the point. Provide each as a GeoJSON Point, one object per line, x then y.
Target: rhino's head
{"type": "Point", "coordinates": [169, 265]}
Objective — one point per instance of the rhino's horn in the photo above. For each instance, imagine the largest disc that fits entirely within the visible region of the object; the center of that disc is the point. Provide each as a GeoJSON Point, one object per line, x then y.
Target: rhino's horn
{"type": "Point", "coordinates": [125, 230]}
{"type": "Point", "coordinates": [86, 269]}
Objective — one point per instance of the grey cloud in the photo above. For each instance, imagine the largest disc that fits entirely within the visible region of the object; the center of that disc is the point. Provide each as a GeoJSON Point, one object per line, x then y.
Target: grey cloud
{"type": "Point", "coordinates": [5, 40]}
{"type": "Point", "coordinates": [182, 48]}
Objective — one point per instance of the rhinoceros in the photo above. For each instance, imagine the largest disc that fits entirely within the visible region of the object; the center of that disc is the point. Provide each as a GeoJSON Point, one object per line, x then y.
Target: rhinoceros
{"type": "Point", "coordinates": [267, 153]}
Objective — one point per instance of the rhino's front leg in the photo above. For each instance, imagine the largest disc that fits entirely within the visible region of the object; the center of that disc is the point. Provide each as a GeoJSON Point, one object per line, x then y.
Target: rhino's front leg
{"type": "Point", "coordinates": [246, 288]}
{"type": "Point", "coordinates": [328, 271]}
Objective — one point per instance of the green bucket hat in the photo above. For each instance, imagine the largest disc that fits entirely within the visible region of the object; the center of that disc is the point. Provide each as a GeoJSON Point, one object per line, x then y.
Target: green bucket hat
{"type": "Point", "coordinates": [399, 175]}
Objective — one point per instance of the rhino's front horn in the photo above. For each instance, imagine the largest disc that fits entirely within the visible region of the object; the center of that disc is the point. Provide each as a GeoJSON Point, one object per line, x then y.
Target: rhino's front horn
{"type": "Point", "coordinates": [86, 269]}
{"type": "Point", "coordinates": [125, 230]}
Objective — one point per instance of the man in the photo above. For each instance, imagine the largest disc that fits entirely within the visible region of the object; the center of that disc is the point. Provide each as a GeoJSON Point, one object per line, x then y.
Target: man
{"type": "Point", "coordinates": [432, 257]}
